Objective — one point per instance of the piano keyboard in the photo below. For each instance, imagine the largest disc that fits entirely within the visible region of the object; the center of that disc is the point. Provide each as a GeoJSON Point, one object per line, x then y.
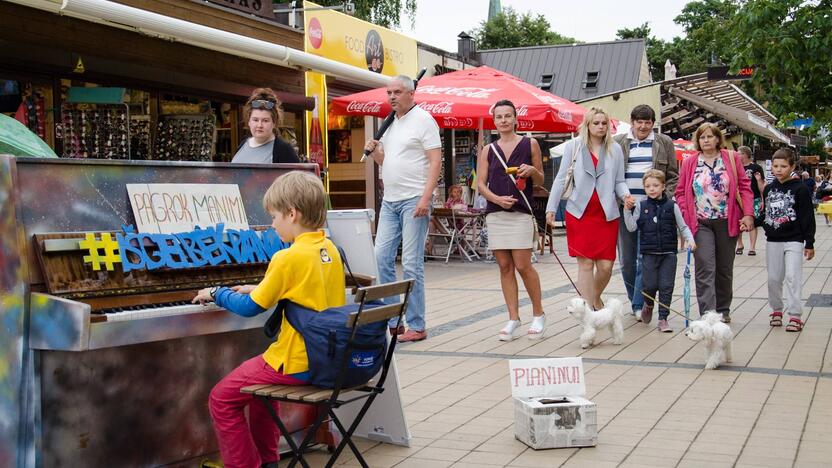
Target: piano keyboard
{"type": "Point", "coordinates": [156, 310]}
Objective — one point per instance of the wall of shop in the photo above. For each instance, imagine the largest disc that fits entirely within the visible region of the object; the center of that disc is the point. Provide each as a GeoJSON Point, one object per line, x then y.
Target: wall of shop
{"type": "Point", "coordinates": [166, 84]}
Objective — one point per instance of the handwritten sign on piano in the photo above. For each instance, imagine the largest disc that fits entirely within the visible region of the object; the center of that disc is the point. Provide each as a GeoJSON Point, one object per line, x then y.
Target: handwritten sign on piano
{"type": "Point", "coordinates": [172, 208]}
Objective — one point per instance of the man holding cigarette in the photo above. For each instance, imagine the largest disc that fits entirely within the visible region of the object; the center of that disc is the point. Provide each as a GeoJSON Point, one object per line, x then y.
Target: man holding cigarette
{"type": "Point", "coordinates": [409, 155]}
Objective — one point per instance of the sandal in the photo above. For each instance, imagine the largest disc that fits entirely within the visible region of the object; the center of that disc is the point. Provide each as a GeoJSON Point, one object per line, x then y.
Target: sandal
{"type": "Point", "coordinates": [776, 319]}
{"type": "Point", "coordinates": [739, 251]}
{"type": "Point", "coordinates": [508, 332]}
{"type": "Point", "coordinates": [752, 253]}
{"type": "Point", "coordinates": [537, 327]}
{"type": "Point", "coordinates": [795, 325]}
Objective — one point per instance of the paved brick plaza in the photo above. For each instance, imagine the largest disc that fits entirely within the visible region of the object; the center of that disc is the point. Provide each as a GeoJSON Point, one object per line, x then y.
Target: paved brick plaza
{"type": "Point", "coordinates": [656, 405]}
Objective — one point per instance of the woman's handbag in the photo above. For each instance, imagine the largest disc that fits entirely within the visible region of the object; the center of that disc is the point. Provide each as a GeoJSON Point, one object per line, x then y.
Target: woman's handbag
{"type": "Point", "coordinates": [734, 171]}
{"type": "Point", "coordinates": [570, 175]}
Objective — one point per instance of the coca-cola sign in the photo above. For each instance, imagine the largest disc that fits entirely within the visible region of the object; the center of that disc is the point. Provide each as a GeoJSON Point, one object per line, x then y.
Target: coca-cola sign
{"type": "Point", "coordinates": [438, 108]}
{"type": "Point", "coordinates": [525, 124]}
{"type": "Point", "coordinates": [315, 33]}
{"type": "Point", "coordinates": [369, 107]}
{"type": "Point", "coordinates": [475, 93]}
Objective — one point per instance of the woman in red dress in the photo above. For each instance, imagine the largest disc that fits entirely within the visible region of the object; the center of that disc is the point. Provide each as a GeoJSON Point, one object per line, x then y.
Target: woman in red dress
{"type": "Point", "coordinates": [592, 208]}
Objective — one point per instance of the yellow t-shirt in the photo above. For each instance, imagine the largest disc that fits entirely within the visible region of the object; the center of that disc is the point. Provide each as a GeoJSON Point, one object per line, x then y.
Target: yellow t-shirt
{"type": "Point", "coordinates": [310, 274]}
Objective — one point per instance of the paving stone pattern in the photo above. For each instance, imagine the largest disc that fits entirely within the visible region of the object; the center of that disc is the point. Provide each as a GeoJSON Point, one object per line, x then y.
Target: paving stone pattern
{"type": "Point", "coordinates": [656, 405]}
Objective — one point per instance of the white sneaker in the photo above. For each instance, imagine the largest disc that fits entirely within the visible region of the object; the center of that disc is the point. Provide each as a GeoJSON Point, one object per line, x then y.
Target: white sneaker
{"type": "Point", "coordinates": [509, 332]}
{"type": "Point", "coordinates": [637, 314]}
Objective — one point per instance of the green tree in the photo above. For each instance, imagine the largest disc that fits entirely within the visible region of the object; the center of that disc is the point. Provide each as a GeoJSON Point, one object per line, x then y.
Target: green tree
{"type": "Point", "coordinates": [510, 29]}
{"type": "Point", "coordinates": [708, 34]}
{"type": "Point", "coordinates": [385, 13]}
{"type": "Point", "coordinates": [789, 41]}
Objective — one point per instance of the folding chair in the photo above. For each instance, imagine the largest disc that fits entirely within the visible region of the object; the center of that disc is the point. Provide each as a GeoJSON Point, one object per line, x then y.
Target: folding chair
{"type": "Point", "coordinates": [329, 399]}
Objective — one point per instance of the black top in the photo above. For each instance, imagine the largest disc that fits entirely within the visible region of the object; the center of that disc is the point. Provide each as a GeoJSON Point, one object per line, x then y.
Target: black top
{"type": "Point", "coordinates": [750, 170]}
{"type": "Point", "coordinates": [789, 214]}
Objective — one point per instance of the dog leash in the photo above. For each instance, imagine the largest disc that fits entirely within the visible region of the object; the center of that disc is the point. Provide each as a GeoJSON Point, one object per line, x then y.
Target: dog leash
{"type": "Point", "coordinates": [655, 301]}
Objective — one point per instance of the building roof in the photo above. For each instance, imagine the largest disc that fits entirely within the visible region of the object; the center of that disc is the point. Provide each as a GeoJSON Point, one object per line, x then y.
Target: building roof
{"type": "Point", "coordinates": [690, 100]}
{"type": "Point", "coordinates": [620, 65]}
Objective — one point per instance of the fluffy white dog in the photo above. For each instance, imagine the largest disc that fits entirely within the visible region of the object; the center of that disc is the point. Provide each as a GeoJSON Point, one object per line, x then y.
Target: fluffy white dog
{"type": "Point", "coordinates": [716, 335]}
{"type": "Point", "coordinates": [609, 317]}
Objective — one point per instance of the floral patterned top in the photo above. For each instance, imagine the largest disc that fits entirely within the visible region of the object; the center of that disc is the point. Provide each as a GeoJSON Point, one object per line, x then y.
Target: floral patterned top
{"type": "Point", "coordinates": [710, 187]}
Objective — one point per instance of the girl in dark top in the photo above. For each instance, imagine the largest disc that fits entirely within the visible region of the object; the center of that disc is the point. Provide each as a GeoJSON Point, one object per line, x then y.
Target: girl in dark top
{"type": "Point", "coordinates": [263, 113]}
{"type": "Point", "coordinates": [790, 234]}
{"type": "Point", "coordinates": [509, 220]}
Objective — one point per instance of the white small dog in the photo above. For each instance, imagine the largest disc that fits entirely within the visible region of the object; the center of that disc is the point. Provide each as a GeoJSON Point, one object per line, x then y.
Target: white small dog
{"type": "Point", "coordinates": [609, 317]}
{"type": "Point", "coordinates": [716, 335]}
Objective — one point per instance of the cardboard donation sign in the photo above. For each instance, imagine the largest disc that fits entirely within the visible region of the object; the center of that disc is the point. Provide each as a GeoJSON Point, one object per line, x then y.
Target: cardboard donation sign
{"type": "Point", "coordinates": [550, 410]}
{"type": "Point", "coordinates": [172, 208]}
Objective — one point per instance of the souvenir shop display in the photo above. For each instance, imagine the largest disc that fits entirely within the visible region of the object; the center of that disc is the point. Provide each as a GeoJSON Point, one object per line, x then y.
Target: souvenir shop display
{"type": "Point", "coordinates": [140, 137]}
{"type": "Point", "coordinates": [185, 137]}
{"type": "Point", "coordinates": [98, 131]}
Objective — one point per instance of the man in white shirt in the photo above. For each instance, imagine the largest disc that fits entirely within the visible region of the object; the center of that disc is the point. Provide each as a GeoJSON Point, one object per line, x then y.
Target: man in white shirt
{"type": "Point", "coordinates": [410, 158]}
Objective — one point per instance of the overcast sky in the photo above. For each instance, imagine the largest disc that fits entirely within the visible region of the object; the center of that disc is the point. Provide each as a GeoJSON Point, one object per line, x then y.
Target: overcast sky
{"type": "Point", "coordinates": [438, 22]}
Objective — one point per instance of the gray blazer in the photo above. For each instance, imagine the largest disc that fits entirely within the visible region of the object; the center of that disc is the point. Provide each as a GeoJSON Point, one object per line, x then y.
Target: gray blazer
{"type": "Point", "coordinates": [607, 179]}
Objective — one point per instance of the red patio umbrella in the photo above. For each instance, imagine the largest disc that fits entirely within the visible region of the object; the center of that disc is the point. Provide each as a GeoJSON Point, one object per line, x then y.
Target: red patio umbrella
{"type": "Point", "coordinates": [460, 99]}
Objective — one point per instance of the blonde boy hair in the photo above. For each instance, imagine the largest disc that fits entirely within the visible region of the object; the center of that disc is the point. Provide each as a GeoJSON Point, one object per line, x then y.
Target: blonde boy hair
{"type": "Point", "coordinates": [583, 128]}
{"type": "Point", "coordinates": [302, 191]}
{"type": "Point", "coordinates": [653, 174]}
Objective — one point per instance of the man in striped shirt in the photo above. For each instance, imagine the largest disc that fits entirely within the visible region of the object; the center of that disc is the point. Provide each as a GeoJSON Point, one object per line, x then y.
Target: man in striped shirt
{"type": "Point", "coordinates": [644, 149]}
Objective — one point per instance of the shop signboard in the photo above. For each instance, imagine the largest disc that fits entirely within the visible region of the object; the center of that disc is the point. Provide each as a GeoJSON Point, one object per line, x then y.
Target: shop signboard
{"type": "Point", "coordinates": [355, 42]}
{"type": "Point", "coordinates": [261, 8]}
{"type": "Point", "coordinates": [720, 72]}
{"type": "Point", "coordinates": [798, 140]}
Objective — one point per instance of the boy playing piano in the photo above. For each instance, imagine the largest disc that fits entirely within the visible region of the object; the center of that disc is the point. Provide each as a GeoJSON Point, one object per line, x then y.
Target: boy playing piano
{"type": "Point", "coordinates": [310, 274]}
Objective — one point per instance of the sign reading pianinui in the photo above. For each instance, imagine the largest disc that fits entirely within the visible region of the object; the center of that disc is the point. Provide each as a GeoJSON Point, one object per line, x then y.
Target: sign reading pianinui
{"type": "Point", "coordinates": [262, 8]}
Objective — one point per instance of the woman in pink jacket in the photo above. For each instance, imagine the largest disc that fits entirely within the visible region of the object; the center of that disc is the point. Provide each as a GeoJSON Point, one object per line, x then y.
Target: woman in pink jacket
{"type": "Point", "coordinates": [709, 185]}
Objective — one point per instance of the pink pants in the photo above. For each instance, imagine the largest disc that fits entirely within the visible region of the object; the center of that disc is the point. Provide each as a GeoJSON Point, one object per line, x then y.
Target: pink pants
{"type": "Point", "coordinates": [246, 445]}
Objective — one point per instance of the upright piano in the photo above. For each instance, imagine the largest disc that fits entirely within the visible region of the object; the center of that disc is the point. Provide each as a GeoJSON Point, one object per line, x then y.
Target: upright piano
{"type": "Point", "coordinates": [99, 367]}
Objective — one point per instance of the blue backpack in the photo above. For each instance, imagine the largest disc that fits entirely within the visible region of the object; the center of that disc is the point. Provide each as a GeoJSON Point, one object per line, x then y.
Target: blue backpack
{"type": "Point", "coordinates": [327, 339]}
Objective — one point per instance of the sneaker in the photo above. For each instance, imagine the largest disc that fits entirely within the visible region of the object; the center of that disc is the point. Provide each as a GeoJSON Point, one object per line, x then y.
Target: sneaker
{"type": "Point", "coordinates": [637, 314]}
{"type": "Point", "coordinates": [726, 318]}
{"type": "Point", "coordinates": [664, 327]}
{"type": "Point", "coordinates": [413, 335]}
{"type": "Point", "coordinates": [397, 331]}
{"type": "Point", "coordinates": [647, 313]}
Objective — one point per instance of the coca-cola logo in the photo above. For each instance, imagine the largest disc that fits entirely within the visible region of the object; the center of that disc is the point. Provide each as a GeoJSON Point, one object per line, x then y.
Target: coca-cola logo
{"type": "Point", "coordinates": [476, 93]}
{"type": "Point", "coordinates": [315, 33]}
{"type": "Point", "coordinates": [565, 115]}
{"type": "Point", "coordinates": [438, 108]}
{"type": "Point", "coordinates": [369, 107]}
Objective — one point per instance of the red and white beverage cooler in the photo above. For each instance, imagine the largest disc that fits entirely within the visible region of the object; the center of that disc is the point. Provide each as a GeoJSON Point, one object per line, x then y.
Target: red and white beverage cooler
{"type": "Point", "coordinates": [550, 408]}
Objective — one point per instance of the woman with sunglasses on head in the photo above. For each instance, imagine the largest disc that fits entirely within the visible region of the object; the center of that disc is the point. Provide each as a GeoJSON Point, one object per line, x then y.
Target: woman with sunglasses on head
{"type": "Point", "coordinates": [263, 113]}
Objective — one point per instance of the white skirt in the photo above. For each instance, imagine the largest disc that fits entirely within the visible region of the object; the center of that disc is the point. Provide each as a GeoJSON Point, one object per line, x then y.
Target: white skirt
{"type": "Point", "coordinates": [510, 230]}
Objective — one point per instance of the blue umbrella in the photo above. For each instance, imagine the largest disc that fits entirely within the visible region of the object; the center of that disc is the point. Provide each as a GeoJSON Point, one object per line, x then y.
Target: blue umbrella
{"type": "Point", "coordinates": [687, 289]}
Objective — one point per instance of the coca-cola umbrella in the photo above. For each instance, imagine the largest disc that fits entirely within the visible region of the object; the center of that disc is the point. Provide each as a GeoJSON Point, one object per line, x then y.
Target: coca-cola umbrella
{"type": "Point", "coordinates": [463, 100]}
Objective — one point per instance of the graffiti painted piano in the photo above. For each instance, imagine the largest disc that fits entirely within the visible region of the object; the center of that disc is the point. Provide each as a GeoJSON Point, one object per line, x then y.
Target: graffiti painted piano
{"type": "Point", "coordinates": [98, 366]}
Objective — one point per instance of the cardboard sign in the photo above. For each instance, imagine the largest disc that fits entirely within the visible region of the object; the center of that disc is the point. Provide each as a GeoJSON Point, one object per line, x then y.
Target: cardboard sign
{"type": "Point", "coordinates": [172, 208]}
{"type": "Point", "coordinates": [553, 377]}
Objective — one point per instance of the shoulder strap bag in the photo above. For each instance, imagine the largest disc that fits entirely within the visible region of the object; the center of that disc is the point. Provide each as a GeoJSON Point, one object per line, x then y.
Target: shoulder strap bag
{"type": "Point", "coordinates": [733, 165]}
{"type": "Point", "coordinates": [570, 174]}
